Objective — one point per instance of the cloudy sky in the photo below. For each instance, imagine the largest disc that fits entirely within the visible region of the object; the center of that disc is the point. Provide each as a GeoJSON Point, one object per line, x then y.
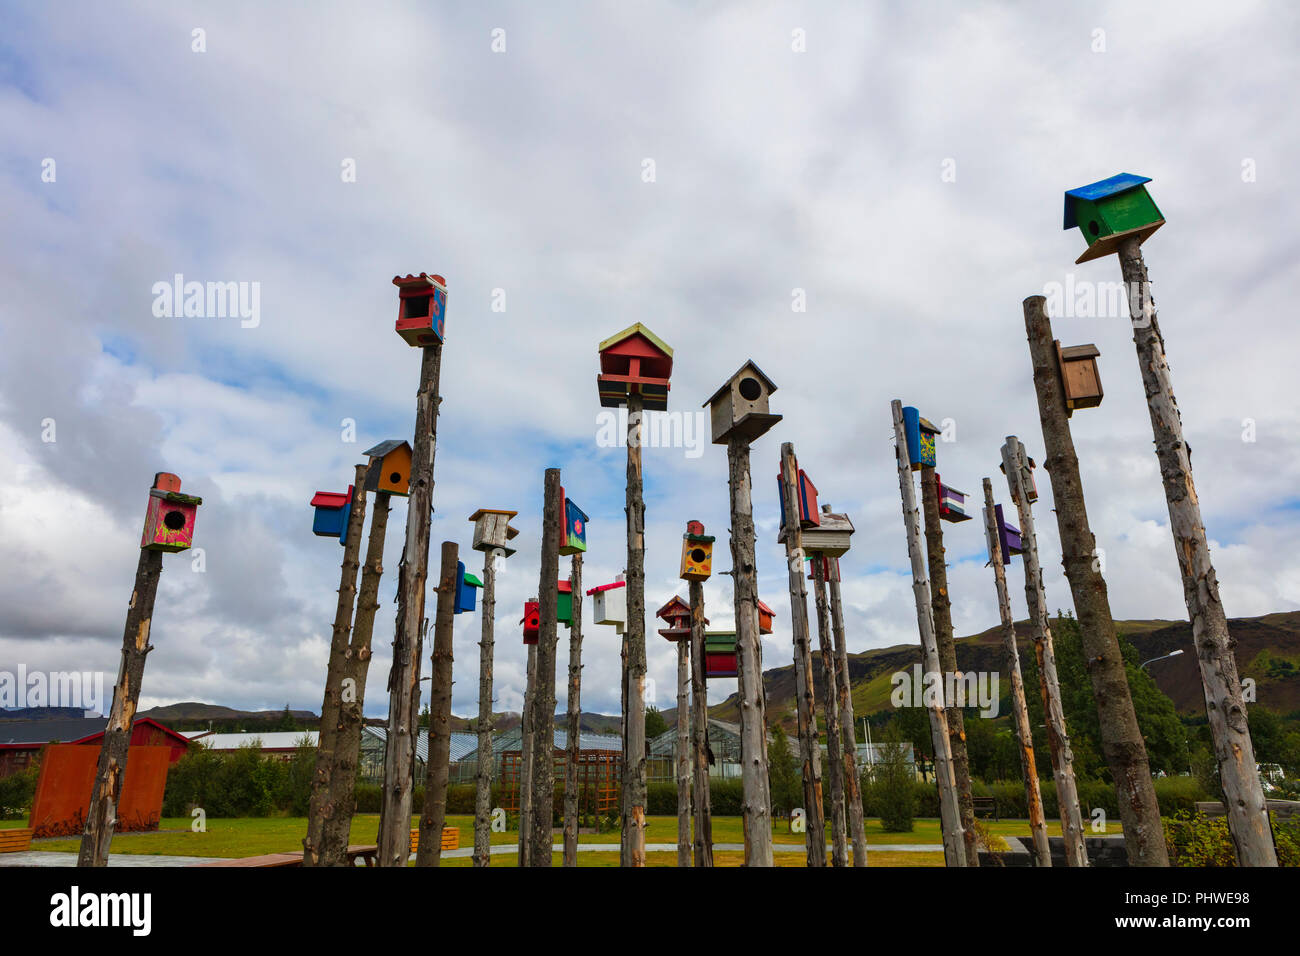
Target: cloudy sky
{"type": "Point", "coordinates": [700, 168]}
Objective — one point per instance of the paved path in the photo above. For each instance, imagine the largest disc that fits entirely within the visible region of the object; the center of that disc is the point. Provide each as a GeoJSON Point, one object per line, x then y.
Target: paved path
{"type": "Point", "coordinates": [50, 858]}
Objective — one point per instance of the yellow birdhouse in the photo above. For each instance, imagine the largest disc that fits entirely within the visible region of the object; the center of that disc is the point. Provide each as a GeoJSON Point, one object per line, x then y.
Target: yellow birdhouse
{"type": "Point", "coordinates": [697, 553]}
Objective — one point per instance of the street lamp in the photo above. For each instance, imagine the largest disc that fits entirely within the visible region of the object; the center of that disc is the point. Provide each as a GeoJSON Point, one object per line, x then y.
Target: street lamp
{"type": "Point", "coordinates": [1160, 658]}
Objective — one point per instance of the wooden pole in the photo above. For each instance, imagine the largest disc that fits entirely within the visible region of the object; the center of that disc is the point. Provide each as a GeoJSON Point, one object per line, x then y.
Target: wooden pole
{"type": "Point", "coordinates": [954, 841]}
{"type": "Point", "coordinates": [634, 770]}
{"type": "Point", "coordinates": [404, 678]}
{"type": "Point", "coordinates": [543, 807]}
{"type": "Point", "coordinates": [326, 805]}
{"type": "Point", "coordinates": [1121, 738]}
{"type": "Point", "coordinates": [941, 613]}
{"type": "Point", "coordinates": [809, 749]}
{"type": "Point", "coordinates": [526, 761]}
{"type": "Point", "coordinates": [699, 728]}
{"type": "Point", "coordinates": [756, 810]}
{"type": "Point", "coordinates": [1016, 464]}
{"type": "Point", "coordinates": [844, 697]}
{"type": "Point", "coordinates": [1243, 794]}
{"type": "Point", "coordinates": [1019, 708]}
{"type": "Point", "coordinates": [438, 766]}
{"type": "Point", "coordinates": [573, 733]}
{"type": "Point", "coordinates": [683, 752]}
{"type": "Point", "coordinates": [111, 771]}
{"type": "Point", "coordinates": [483, 772]}
{"type": "Point", "coordinates": [831, 708]}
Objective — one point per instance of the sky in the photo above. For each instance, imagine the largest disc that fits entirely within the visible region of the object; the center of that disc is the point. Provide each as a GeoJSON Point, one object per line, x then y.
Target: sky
{"type": "Point", "coordinates": [858, 197]}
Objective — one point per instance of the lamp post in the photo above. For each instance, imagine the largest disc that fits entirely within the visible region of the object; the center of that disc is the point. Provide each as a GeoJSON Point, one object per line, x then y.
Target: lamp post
{"type": "Point", "coordinates": [1162, 657]}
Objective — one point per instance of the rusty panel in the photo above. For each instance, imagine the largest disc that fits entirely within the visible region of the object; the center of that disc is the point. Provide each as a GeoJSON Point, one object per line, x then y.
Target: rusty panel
{"type": "Point", "coordinates": [68, 775]}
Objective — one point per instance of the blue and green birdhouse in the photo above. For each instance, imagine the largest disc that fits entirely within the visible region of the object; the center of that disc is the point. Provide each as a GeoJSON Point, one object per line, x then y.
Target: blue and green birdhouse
{"type": "Point", "coordinates": [466, 583]}
{"type": "Point", "coordinates": [1109, 211]}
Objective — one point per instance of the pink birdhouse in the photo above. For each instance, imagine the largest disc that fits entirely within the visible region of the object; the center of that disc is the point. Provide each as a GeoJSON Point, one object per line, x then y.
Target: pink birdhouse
{"type": "Point", "coordinates": [169, 519]}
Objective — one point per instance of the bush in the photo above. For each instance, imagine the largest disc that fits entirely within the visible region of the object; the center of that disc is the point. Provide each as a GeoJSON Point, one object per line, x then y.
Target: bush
{"type": "Point", "coordinates": [893, 790]}
{"type": "Point", "coordinates": [17, 791]}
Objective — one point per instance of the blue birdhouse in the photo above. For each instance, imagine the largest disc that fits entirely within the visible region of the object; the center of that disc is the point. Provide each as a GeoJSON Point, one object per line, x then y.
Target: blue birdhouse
{"type": "Point", "coordinates": [574, 538]}
{"type": "Point", "coordinates": [1111, 210]}
{"type": "Point", "coordinates": [466, 583]}
{"type": "Point", "coordinates": [920, 439]}
{"type": "Point", "coordinates": [333, 509]}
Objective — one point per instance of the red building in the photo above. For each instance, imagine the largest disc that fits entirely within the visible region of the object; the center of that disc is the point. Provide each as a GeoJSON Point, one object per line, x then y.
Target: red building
{"type": "Point", "coordinates": [21, 740]}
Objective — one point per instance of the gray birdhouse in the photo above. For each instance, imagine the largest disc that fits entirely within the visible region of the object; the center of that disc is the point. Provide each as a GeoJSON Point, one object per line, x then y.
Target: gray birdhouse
{"type": "Point", "coordinates": [492, 530]}
{"type": "Point", "coordinates": [739, 408]}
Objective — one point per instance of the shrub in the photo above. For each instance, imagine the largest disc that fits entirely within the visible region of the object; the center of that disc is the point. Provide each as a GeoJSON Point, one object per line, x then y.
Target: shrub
{"type": "Point", "coordinates": [17, 791]}
{"type": "Point", "coordinates": [893, 786]}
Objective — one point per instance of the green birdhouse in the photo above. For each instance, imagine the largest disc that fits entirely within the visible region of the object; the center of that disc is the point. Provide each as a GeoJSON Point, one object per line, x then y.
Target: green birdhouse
{"type": "Point", "coordinates": [1109, 211]}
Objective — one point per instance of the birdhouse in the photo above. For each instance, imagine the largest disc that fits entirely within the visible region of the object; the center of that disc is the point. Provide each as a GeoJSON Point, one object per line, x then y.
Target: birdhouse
{"type": "Point", "coordinates": [739, 408]}
{"type": "Point", "coordinates": [720, 654]}
{"type": "Point", "coordinates": [1079, 376]}
{"type": "Point", "coordinates": [574, 538]}
{"type": "Point", "coordinates": [421, 309]}
{"type": "Point", "coordinates": [1026, 478]}
{"type": "Point", "coordinates": [466, 585]}
{"type": "Point", "coordinates": [564, 604]}
{"type": "Point", "coordinates": [920, 439]}
{"type": "Point", "coordinates": [952, 503]}
{"type": "Point", "coordinates": [697, 553]}
{"type": "Point", "coordinates": [532, 621]}
{"type": "Point", "coordinates": [390, 467]}
{"type": "Point", "coordinates": [492, 530]}
{"type": "Point", "coordinates": [677, 613]}
{"type": "Point", "coordinates": [169, 517]}
{"type": "Point", "coordinates": [609, 602]}
{"type": "Point", "coordinates": [765, 617]}
{"type": "Point", "coordinates": [805, 493]}
{"type": "Point", "coordinates": [333, 509]}
{"type": "Point", "coordinates": [1008, 537]}
{"type": "Point", "coordinates": [831, 537]}
{"type": "Point", "coordinates": [1110, 211]}
{"type": "Point", "coordinates": [635, 362]}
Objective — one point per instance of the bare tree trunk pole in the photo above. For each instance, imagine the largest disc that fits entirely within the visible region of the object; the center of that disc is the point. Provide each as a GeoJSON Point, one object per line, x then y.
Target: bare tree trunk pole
{"type": "Point", "coordinates": [573, 733]}
{"type": "Point", "coordinates": [1016, 465]}
{"type": "Point", "coordinates": [438, 766]}
{"type": "Point", "coordinates": [844, 697]}
{"type": "Point", "coordinates": [111, 771]}
{"type": "Point", "coordinates": [1243, 794]}
{"type": "Point", "coordinates": [831, 708]}
{"type": "Point", "coordinates": [954, 841]}
{"type": "Point", "coordinates": [699, 726]}
{"type": "Point", "coordinates": [625, 844]}
{"type": "Point", "coordinates": [756, 811]}
{"type": "Point", "coordinates": [543, 808]}
{"type": "Point", "coordinates": [404, 678]}
{"type": "Point", "coordinates": [634, 770]}
{"type": "Point", "coordinates": [1019, 707]}
{"type": "Point", "coordinates": [1121, 738]}
{"type": "Point", "coordinates": [809, 749]}
{"type": "Point", "coordinates": [941, 613]}
{"type": "Point", "coordinates": [683, 754]}
{"type": "Point", "coordinates": [526, 740]}
{"type": "Point", "coordinates": [483, 771]}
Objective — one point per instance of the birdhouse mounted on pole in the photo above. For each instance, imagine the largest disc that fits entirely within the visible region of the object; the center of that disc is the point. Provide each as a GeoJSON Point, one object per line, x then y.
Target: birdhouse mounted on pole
{"type": "Point", "coordinates": [720, 654]}
{"type": "Point", "coordinates": [831, 537]}
{"type": "Point", "coordinates": [564, 603]}
{"type": "Point", "coordinates": [421, 308]}
{"type": "Point", "coordinates": [332, 512]}
{"type": "Point", "coordinates": [1111, 210]}
{"type": "Point", "coordinates": [169, 517]}
{"type": "Point", "coordinates": [532, 620]}
{"type": "Point", "coordinates": [920, 438]}
{"type": "Point", "coordinates": [1079, 376]}
{"type": "Point", "coordinates": [573, 539]}
{"type": "Point", "coordinates": [635, 362]}
{"type": "Point", "coordinates": [390, 467]}
{"type": "Point", "coordinates": [492, 530]}
{"type": "Point", "coordinates": [806, 496]}
{"type": "Point", "coordinates": [739, 407]}
{"type": "Point", "coordinates": [697, 553]}
{"type": "Point", "coordinates": [609, 604]}
{"type": "Point", "coordinates": [677, 613]}
{"type": "Point", "coordinates": [1008, 536]}
{"type": "Point", "coordinates": [765, 618]}
{"type": "Point", "coordinates": [952, 503]}
{"type": "Point", "coordinates": [466, 589]}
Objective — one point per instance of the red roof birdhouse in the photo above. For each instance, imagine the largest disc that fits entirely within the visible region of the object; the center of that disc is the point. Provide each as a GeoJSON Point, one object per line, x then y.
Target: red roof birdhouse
{"type": "Point", "coordinates": [678, 615]}
{"type": "Point", "coordinates": [697, 553]}
{"type": "Point", "coordinates": [635, 362]}
{"type": "Point", "coordinates": [532, 621]}
{"type": "Point", "coordinates": [421, 309]}
{"type": "Point", "coordinates": [609, 603]}
{"type": "Point", "coordinates": [169, 518]}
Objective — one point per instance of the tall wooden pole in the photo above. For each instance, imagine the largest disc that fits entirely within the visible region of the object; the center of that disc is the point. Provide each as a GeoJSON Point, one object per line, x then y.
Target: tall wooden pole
{"type": "Point", "coordinates": [483, 771]}
{"type": "Point", "coordinates": [526, 739]}
{"type": "Point", "coordinates": [844, 696]}
{"type": "Point", "coordinates": [325, 805]}
{"type": "Point", "coordinates": [543, 806]}
{"type": "Point", "coordinates": [111, 771]}
{"type": "Point", "coordinates": [809, 749]}
{"type": "Point", "coordinates": [1016, 464]}
{"type": "Point", "coordinates": [1224, 705]}
{"type": "Point", "coordinates": [634, 770]}
{"type": "Point", "coordinates": [683, 753]}
{"type": "Point", "coordinates": [573, 732]}
{"type": "Point", "coordinates": [404, 678]}
{"type": "Point", "coordinates": [954, 841]}
{"type": "Point", "coordinates": [699, 729]}
{"type": "Point", "coordinates": [1121, 738]}
{"type": "Point", "coordinates": [941, 612]}
{"type": "Point", "coordinates": [438, 766]}
{"type": "Point", "coordinates": [1019, 707]}
{"type": "Point", "coordinates": [831, 708]}
{"type": "Point", "coordinates": [756, 810]}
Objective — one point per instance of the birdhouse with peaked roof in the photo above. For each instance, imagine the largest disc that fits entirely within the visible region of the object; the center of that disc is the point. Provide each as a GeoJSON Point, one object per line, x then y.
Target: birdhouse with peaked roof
{"type": "Point", "coordinates": [830, 537]}
{"type": "Point", "coordinates": [421, 308]}
{"type": "Point", "coordinates": [532, 620]}
{"type": "Point", "coordinates": [765, 618]}
{"type": "Point", "coordinates": [952, 503]}
{"type": "Point", "coordinates": [573, 539]}
{"type": "Point", "coordinates": [609, 603]}
{"type": "Point", "coordinates": [333, 509]}
{"type": "Point", "coordinates": [719, 654]}
{"type": "Point", "coordinates": [492, 530]}
{"type": "Point", "coordinates": [635, 362]}
{"type": "Point", "coordinates": [390, 467]}
{"type": "Point", "coordinates": [739, 408]}
{"type": "Point", "coordinates": [169, 516]}
{"type": "Point", "coordinates": [1110, 211]}
{"type": "Point", "coordinates": [466, 589]}
{"type": "Point", "coordinates": [805, 494]}
{"type": "Point", "coordinates": [1079, 376]}
{"type": "Point", "coordinates": [697, 553]}
{"type": "Point", "coordinates": [677, 614]}
{"type": "Point", "coordinates": [1008, 536]}
{"type": "Point", "coordinates": [920, 434]}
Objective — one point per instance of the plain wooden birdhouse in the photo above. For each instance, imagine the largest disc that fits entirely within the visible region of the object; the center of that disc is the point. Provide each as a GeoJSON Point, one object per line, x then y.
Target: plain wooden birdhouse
{"type": "Point", "coordinates": [720, 654]}
{"type": "Point", "coordinates": [532, 620]}
{"type": "Point", "coordinates": [739, 408]}
{"type": "Point", "coordinates": [1111, 210]}
{"type": "Point", "coordinates": [333, 509]}
{"type": "Point", "coordinates": [390, 467]}
{"type": "Point", "coordinates": [1079, 376]}
{"type": "Point", "coordinates": [609, 602]}
{"type": "Point", "coordinates": [492, 530]}
{"type": "Point", "coordinates": [677, 614]}
{"type": "Point", "coordinates": [697, 553]}
{"type": "Point", "coordinates": [169, 516]}
{"type": "Point", "coordinates": [421, 308]}
{"type": "Point", "coordinates": [635, 362]}
{"type": "Point", "coordinates": [920, 434]}
{"type": "Point", "coordinates": [467, 586]}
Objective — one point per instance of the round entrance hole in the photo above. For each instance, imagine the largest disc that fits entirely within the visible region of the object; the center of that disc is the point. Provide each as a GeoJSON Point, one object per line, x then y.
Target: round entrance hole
{"type": "Point", "coordinates": [749, 389]}
{"type": "Point", "coordinates": [174, 520]}
{"type": "Point", "coordinates": [1093, 227]}
{"type": "Point", "coordinates": [698, 555]}
{"type": "Point", "coordinates": [395, 477]}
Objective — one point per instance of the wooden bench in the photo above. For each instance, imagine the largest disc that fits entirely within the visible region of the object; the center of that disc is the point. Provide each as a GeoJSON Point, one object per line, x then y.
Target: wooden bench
{"type": "Point", "coordinates": [367, 852]}
{"type": "Point", "coordinates": [265, 859]}
{"type": "Point", "coordinates": [16, 840]}
{"type": "Point", "coordinates": [450, 839]}
{"type": "Point", "coordinates": [985, 806]}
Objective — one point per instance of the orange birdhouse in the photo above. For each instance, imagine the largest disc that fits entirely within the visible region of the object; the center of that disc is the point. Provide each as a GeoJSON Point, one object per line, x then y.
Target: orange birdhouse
{"type": "Point", "coordinates": [765, 617]}
{"type": "Point", "coordinates": [635, 362]}
{"type": "Point", "coordinates": [169, 518]}
{"type": "Point", "coordinates": [697, 553]}
{"type": "Point", "coordinates": [390, 467]}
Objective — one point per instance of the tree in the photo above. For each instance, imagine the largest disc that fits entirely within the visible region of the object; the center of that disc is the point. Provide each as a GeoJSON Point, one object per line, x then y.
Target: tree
{"type": "Point", "coordinates": [286, 720]}
{"type": "Point", "coordinates": [895, 796]}
{"type": "Point", "coordinates": [655, 723]}
{"type": "Point", "coordinates": [783, 774]}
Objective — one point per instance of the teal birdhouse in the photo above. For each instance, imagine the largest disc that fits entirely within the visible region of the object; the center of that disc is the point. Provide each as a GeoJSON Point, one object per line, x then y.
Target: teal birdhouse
{"type": "Point", "coordinates": [466, 585]}
{"type": "Point", "coordinates": [1109, 211]}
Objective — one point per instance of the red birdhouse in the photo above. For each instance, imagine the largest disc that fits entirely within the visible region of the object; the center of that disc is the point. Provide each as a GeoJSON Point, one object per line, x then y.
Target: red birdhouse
{"type": "Point", "coordinates": [677, 613]}
{"type": "Point", "coordinates": [765, 617]}
{"type": "Point", "coordinates": [532, 621]}
{"type": "Point", "coordinates": [421, 309]}
{"type": "Point", "coordinates": [169, 518]}
{"type": "Point", "coordinates": [635, 362]}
